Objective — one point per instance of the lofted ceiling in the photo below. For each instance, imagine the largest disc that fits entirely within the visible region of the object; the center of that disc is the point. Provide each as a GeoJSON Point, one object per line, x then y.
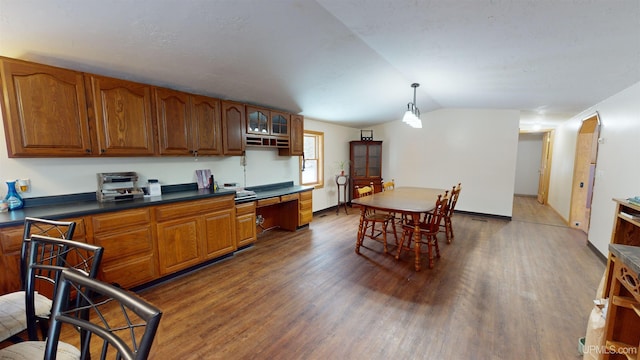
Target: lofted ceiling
{"type": "Point", "coordinates": [346, 61]}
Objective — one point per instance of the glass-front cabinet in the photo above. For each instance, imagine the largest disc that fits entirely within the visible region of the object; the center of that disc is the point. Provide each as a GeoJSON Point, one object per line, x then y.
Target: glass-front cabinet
{"type": "Point", "coordinates": [366, 164]}
{"type": "Point", "coordinates": [257, 120]}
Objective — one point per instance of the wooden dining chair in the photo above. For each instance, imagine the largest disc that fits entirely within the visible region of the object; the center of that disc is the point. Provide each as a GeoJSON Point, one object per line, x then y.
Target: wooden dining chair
{"type": "Point", "coordinates": [446, 219]}
{"type": "Point", "coordinates": [375, 222]}
{"type": "Point", "coordinates": [429, 227]}
{"type": "Point", "coordinates": [388, 185]}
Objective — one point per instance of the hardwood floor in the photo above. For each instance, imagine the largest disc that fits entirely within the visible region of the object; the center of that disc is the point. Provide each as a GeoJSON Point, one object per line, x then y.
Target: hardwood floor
{"type": "Point", "coordinates": [519, 289]}
{"type": "Point", "coordinates": [501, 290]}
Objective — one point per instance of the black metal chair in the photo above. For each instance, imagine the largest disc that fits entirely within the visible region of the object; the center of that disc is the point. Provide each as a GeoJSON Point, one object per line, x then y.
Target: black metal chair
{"type": "Point", "coordinates": [12, 305]}
{"type": "Point", "coordinates": [112, 323]}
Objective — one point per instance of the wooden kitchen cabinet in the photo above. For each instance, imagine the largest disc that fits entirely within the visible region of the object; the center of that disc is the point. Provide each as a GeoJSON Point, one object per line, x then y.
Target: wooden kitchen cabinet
{"type": "Point", "coordinates": [305, 206]}
{"type": "Point", "coordinates": [187, 124]}
{"type": "Point", "coordinates": [246, 224]}
{"type": "Point", "coordinates": [233, 128]}
{"type": "Point", "coordinates": [191, 232]}
{"type": "Point", "coordinates": [129, 253]}
{"type": "Point", "coordinates": [296, 137]}
{"type": "Point", "coordinates": [366, 165]}
{"type": "Point", "coordinates": [267, 128]}
{"type": "Point", "coordinates": [44, 110]}
{"type": "Point", "coordinates": [122, 113]}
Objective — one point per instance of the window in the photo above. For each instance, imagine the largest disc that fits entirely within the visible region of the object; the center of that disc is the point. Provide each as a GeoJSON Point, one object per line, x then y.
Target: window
{"type": "Point", "coordinates": [312, 163]}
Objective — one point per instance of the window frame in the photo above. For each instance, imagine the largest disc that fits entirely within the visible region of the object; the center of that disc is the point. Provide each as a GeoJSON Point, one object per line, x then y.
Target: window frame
{"type": "Point", "coordinates": [319, 142]}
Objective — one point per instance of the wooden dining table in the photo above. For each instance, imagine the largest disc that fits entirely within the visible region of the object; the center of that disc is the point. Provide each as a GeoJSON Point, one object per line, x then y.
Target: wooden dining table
{"type": "Point", "coordinates": [409, 201]}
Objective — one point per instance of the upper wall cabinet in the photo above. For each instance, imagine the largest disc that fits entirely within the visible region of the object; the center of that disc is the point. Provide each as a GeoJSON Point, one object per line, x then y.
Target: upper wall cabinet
{"type": "Point", "coordinates": [44, 110]}
{"type": "Point", "coordinates": [187, 124]}
{"type": "Point", "coordinates": [267, 127]}
{"type": "Point", "coordinates": [233, 124]}
{"type": "Point", "coordinates": [122, 112]}
{"type": "Point", "coordinates": [296, 137]}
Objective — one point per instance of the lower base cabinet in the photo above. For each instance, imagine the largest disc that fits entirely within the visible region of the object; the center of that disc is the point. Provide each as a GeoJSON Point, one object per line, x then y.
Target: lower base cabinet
{"type": "Point", "coordinates": [246, 224]}
{"type": "Point", "coordinates": [129, 252]}
{"type": "Point", "coordinates": [191, 232]}
{"type": "Point", "coordinates": [305, 208]}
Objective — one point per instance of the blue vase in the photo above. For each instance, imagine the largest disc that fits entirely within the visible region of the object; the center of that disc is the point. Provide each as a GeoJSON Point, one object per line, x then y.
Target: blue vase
{"type": "Point", "coordinates": [13, 199]}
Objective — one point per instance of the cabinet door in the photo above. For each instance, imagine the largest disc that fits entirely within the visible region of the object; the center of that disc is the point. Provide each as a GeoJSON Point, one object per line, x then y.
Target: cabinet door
{"type": "Point", "coordinates": [173, 116]}
{"type": "Point", "coordinates": [245, 224]}
{"type": "Point", "coordinates": [279, 123]}
{"type": "Point", "coordinates": [219, 233]}
{"type": "Point", "coordinates": [178, 245]}
{"type": "Point", "coordinates": [359, 160]}
{"type": "Point", "coordinates": [296, 137]}
{"type": "Point", "coordinates": [124, 122]}
{"type": "Point", "coordinates": [45, 110]}
{"type": "Point", "coordinates": [257, 120]}
{"type": "Point", "coordinates": [206, 132]}
{"type": "Point", "coordinates": [233, 128]}
{"type": "Point", "coordinates": [374, 160]}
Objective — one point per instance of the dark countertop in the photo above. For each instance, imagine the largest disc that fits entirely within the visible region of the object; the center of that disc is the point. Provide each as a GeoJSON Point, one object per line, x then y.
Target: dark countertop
{"type": "Point", "coordinates": [630, 255]}
{"type": "Point", "coordinates": [54, 209]}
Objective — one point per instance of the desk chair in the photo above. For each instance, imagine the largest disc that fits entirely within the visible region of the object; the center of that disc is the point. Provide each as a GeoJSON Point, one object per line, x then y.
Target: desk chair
{"type": "Point", "coordinates": [371, 218]}
{"type": "Point", "coordinates": [12, 305]}
{"type": "Point", "coordinates": [429, 227]}
{"type": "Point", "coordinates": [120, 322]}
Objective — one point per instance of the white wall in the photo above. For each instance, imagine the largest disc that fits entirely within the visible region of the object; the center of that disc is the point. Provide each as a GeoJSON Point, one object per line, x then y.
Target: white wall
{"type": "Point", "coordinates": [528, 163]}
{"type": "Point", "coordinates": [617, 170]}
{"type": "Point", "coordinates": [477, 147]}
{"type": "Point", "coordinates": [336, 149]}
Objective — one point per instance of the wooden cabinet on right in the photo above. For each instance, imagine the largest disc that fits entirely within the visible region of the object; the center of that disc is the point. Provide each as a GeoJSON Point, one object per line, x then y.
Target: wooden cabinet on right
{"type": "Point", "coordinates": [622, 285]}
{"type": "Point", "coordinates": [366, 165]}
{"type": "Point", "coordinates": [44, 110]}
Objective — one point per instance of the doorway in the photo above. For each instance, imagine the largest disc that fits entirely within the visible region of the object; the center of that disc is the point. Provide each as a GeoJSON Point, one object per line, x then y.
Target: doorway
{"type": "Point", "coordinates": [584, 172]}
{"type": "Point", "coordinates": [545, 167]}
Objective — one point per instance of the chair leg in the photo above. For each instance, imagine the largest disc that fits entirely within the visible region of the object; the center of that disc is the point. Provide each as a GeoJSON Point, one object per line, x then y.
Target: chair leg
{"type": "Point", "coordinates": [449, 229]}
{"type": "Point", "coordinates": [402, 244]}
{"type": "Point", "coordinates": [384, 236]}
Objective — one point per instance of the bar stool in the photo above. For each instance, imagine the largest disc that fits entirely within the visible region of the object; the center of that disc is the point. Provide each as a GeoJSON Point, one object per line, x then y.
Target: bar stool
{"type": "Point", "coordinates": [342, 181]}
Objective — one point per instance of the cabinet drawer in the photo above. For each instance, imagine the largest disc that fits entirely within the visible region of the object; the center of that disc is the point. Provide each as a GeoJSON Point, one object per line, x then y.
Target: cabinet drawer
{"type": "Point", "coordinates": [193, 208]}
{"type": "Point", "coordinates": [269, 201]}
{"type": "Point", "coordinates": [120, 219]}
{"type": "Point", "coordinates": [306, 195]}
{"type": "Point", "coordinates": [246, 208]}
{"type": "Point", "coordinates": [289, 197]}
{"type": "Point", "coordinates": [129, 273]}
{"type": "Point", "coordinates": [126, 243]}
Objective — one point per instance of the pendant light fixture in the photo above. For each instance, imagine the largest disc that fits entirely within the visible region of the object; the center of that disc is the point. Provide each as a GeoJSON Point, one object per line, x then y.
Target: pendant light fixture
{"type": "Point", "coordinates": [412, 116]}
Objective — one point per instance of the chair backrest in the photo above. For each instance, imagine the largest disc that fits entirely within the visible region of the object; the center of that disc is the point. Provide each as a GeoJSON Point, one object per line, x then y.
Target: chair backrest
{"type": "Point", "coordinates": [388, 185]}
{"type": "Point", "coordinates": [432, 223]}
{"type": "Point", "coordinates": [364, 191]}
{"type": "Point", "coordinates": [123, 324]}
{"type": "Point", "coordinates": [37, 226]}
{"type": "Point", "coordinates": [48, 256]}
{"type": "Point", "coordinates": [455, 193]}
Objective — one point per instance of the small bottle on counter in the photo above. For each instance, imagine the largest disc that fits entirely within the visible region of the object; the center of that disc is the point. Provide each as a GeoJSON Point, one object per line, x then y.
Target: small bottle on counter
{"type": "Point", "coordinates": [212, 184]}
